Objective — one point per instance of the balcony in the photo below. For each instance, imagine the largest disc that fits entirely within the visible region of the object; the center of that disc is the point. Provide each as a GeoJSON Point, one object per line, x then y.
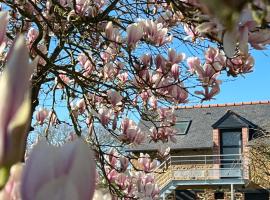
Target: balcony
{"type": "Point", "coordinates": [201, 170]}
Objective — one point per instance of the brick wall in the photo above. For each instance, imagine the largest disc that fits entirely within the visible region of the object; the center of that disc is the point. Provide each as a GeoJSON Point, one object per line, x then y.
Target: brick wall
{"type": "Point", "coordinates": [245, 135]}
{"type": "Point", "coordinates": [216, 141]}
{"type": "Point", "coordinates": [216, 151]}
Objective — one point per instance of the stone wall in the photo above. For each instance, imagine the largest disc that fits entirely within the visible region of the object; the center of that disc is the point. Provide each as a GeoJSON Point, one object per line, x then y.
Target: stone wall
{"type": "Point", "coordinates": [192, 171]}
{"type": "Point", "coordinates": [259, 166]}
{"type": "Point", "coordinates": [209, 194]}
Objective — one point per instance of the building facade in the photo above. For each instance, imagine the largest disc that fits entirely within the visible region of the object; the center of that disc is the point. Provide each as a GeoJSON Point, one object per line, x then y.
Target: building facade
{"type": "Point", "coordinates": [222, 152]}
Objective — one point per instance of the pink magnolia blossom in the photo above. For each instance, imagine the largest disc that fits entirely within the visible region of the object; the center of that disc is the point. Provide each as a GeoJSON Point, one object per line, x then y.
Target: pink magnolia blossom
{"type": "Point", "coordinates": [53, 117]}
{"type": "Point", "coordinates": [123, 77]}
{"type": "Point", "coordinates": [146, 164]}
{"type": "Point", "coordinates": [112, 157]}
{"type": "Point", "coordinates": [175, 58]}
{"type": "Point", "coordinates": [144, 75]}
{"type": "Point", "coordinates": [178, 93]}
{"type": "Point", "coordinates": [105, 115]}
{"type": "Point", "coordinates": [64, 78]}
{"type": "Point", "coordinates": [88, 67]}
{"type": "Point", "coordinates": [112, 33]}
{"type": "Point", "coordinates": [144, 95]}
{"type": "Point", "coordinates": [109, 53]}
{"type": "Point", "coordinates": [163, 134]}
{"type": "Point", "coordinates": [216, 58]}
{"type": "Point", "coordinates": [206, 73]}
{"type": "Point", "coordinates": [81, 6]}
{"type": "Point", "coordinates": [155, 33]}
{"type": "Point", "coordinates": [81, 105]}
{"type": "Point", "coordinates": [86, 63]}
{"type": "Point", "coordinates": [102, 194]}
{"type": "Point", "coordinates": [147, 189]}
{"type": "Point", "coordinates": [259, 39]}
{"type": "Point", "coordinates": [161, 66]}
{"type": "Point", "coordinates": [32, 35]}
{"type": "Point", "coordinates": [112, 175]}
{"type": "Point", "coordinates": [239, 34]}
{"type": "Point", "coordinates": [131, 133]}
{"type": "Point", "coordinates": [153, 102]}
{"type": "Point", "coordinates": [211, 27]}
{"type": "Point", "coordinates": [134, 34]}
{"type": "Point", "coordinates": [175, 71]}
{"type": "Point", "coordinates": [122, 181]}
{"type": "Point", "coordinates": [3, 25]}
{"type": "Point", "coordinates": [82, 58]}
{"type": "Point", "coordinates": [12, 188]}
{"type": "Point", "coordinates": [146, 59]}
{"type": "Point", "coordinates": [66, 172]}
{"type": "Point", "coordinates": [164, 151]}
{"type": "Point", "coordinates": [15, 103]}
{"type": "Point", "coordinates": [115, 120]}
{"type": "Point", "coordinates": [191, 32]}
{"type": "Point", "coordinates": [123, 163]}
{"type": "Point", "coordinates": [193, 63]}
{"type": "Point", "coordinates": [209, 92]}
{"type": "Point", "coordinates": [156, 79]}
{"type": "Point", "coordinates": [41, 115]}
{"type": "Point", "coordinates": [115, 98]}
{"type": "Point", "coordinates": [72, 137]}
{"type": "Point", "coordinates": [109, 29]}
{"type": "Point", "coordinates": [109, 71]}
{"type": "Point", "coordinates": [166, 115]}
{"type": "Point", "coordinates": [240, 64]}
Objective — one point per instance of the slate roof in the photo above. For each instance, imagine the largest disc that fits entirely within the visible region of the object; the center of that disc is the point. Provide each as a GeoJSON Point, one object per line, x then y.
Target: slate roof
{"type": "Point", "coordinates": [205, 117]}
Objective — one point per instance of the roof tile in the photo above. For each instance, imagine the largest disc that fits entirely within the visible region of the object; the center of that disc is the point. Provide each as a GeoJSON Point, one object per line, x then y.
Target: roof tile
{"type": "Point", "coordinates": [200, 133]}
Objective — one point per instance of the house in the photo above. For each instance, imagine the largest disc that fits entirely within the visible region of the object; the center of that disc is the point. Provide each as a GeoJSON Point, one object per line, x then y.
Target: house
{"type": "Point", "coordinates": [221, 153]}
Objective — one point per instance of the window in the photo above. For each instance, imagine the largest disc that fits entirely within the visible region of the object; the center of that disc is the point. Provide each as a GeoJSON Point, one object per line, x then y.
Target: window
{"type": "Point", "coordinates": [219, 195]}
{"type": "Point", "coordinates": [182, 127]}
{"type": "Point", "coordinates": [231, 141]}
{"type": "Point", "coordinates": [231, 148]}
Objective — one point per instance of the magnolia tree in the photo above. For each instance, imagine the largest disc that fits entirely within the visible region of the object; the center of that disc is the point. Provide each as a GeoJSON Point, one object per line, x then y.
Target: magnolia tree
{"type": "Point", "coordinates": [97, 66]}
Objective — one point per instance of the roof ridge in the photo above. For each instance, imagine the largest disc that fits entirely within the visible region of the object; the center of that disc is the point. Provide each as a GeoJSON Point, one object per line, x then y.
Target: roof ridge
{"type": "Point", "coordinates": [223, 104]}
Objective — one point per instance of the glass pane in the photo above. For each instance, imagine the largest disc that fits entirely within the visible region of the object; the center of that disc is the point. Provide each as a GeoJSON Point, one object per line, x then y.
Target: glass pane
{"type": "Point", "coordinates": [231, 138]}
{"type": "Point", "coordinates": [181, 127]}
{"type": "Point", "coordinates": [231, 151]}
{"type": "Point", "coordinates": [231, 165]}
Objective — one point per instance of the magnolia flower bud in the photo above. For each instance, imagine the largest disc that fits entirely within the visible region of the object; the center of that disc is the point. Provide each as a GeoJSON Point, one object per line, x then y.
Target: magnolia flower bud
{"type": "Point", "coordinates": [175, 71]}
{"type": "Point", "coordinates": [15, 103]}
{"type": "Point", "coordinates": [81, 105]}
{"type": "Point", "coordinates": [66, 172]}
{"type": "Point", "coordinates": [41, 115]}
{"type": "Point", "coordinates": [32, 35]}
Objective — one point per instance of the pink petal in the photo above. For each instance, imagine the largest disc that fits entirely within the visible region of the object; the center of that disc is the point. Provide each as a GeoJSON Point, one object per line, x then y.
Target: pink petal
{"type": "Point", "coordinates": [3, 25]}
{"type": "Point", "coordinates": [46, 164]}
{"type": "Point", "coordinates": [229, 42]}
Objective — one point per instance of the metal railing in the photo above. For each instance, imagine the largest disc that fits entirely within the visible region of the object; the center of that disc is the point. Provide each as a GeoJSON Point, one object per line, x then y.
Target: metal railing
{"type": "Point", "coordinates": [200, 167]}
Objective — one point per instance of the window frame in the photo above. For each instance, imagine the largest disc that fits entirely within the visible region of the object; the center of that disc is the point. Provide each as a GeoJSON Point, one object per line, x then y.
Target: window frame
{"type": "Point", "coordinates": [187, 127]}
{"type": "Point", "coordinates": [230, 146]}
{"type": "Point", "coordinates": [222, 147]}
